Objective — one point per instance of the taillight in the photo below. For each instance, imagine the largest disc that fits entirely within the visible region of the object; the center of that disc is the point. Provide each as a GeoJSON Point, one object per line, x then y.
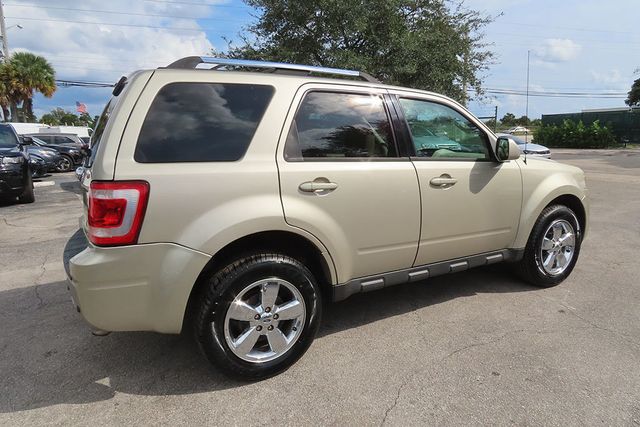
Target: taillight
{"type": "Point", "coordinates": [116, 211]}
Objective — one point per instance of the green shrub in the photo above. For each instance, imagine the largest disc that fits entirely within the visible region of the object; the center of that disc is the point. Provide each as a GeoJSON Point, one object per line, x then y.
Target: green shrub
{"type": "Point", "coordinates": [575, 135]}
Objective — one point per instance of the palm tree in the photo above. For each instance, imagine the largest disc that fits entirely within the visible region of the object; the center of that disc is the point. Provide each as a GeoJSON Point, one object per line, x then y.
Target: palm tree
{"type": "Point", "coordinates": [6, 73]}
{"type": "Point", "coordinates": [24, 74]}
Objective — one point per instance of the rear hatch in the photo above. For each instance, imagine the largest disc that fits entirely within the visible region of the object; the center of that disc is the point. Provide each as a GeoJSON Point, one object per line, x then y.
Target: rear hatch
{"type": "Point", "coordinates": [106, 138]}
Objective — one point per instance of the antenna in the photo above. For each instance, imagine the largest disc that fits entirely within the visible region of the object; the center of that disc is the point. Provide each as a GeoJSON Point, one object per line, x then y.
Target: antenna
{"type": "Point", "coordinates": [526, 111]}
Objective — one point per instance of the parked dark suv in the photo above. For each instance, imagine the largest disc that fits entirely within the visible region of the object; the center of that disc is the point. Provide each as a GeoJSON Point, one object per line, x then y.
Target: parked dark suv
{"type": "Point", "coordinates": [15, 175]}
{"type": "Point", "coordinates": [70, 147]}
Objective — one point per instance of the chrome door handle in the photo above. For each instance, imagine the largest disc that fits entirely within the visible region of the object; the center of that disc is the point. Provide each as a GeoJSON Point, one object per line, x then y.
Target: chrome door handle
{"type": "Point", "coordinates": [443, 180]}
{"type": "Point", "coordinates": [317, 185]}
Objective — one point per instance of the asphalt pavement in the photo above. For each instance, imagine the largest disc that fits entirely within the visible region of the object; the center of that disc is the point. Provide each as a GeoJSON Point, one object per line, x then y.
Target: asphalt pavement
{"type": "Point", "coordinates": [478, 347]}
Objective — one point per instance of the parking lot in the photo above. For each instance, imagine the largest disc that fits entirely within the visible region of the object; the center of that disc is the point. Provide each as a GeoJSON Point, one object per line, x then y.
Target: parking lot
{"type": "Point", "coordinates": [478, 347]}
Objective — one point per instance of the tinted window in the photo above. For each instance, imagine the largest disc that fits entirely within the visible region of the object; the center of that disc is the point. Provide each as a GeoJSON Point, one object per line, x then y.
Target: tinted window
{"type": "Point", "coordinates": [340, 125]}
{"type": "Point", "coordinates": [440, 132]}
{"type": "Point", "coordinates": [8, 137]}
{"type": "Point", "coordinates": [47, 139]}
{"type": "Point", "coordinates": [63, 140]}
{"type": "Point", "coordinates": [201, 122]}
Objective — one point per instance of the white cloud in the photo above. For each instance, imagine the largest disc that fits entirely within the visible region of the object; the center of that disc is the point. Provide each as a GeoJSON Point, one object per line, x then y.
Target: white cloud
{"type": "Point", "coordinates": [93, 51]}
{"type": "Point", "coordinates": [609, 78]}
{"type": "Point", "coordinates": [557, 50]}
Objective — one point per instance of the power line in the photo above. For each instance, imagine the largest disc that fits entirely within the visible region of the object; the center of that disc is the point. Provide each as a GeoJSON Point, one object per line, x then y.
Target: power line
{"type": "Point", "coordinates": [589, 30]}
{"type": "Point", "coordinates": [116, 25]}
{"type": "Point", "coordinates": [123, 13]}
{"type": "Point", "coordinates": [199, 4]}
{"type": "Point", "coordinates": [556, 94]}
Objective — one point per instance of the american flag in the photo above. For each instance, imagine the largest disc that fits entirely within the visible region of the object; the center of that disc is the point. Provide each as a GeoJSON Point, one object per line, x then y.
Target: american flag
{"type": "Point", "coordinates": [80, 107]}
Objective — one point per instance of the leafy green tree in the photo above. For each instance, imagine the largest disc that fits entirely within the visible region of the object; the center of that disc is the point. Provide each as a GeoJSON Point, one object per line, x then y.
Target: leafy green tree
{"type": "Point", "coordinates": [32, 73]}
{"type": "Point", "coordinates": [20, 77]}
{"type": "Point", "coordinates": [427, 44]}
{"type": "Point", "coordinates": [508, 119]}
{"type": "Point", "coordinates": [633, 97]}
{"type": "Point", "coordinates": [59, 116]}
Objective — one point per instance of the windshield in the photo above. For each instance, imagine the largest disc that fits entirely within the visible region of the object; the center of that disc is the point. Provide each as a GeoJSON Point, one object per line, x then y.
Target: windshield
{"type": "Point", "coordinates": [8, 137]}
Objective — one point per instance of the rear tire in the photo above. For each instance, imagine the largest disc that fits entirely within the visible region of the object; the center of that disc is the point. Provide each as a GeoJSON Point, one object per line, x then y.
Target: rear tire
{"type": "Point", "coordinates": [553, 247]}
{"type": "Point", "coordinates": [258, 315]}
{"type": "Point", "coordinates": [28, 195]}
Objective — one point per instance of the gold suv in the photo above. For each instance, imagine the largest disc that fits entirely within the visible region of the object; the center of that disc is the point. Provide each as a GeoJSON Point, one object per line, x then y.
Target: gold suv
{"type": "Point", "coordinates": [234, 197]}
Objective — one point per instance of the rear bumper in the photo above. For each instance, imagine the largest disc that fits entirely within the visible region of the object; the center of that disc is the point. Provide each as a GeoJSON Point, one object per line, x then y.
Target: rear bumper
{"type": "Point", "coordinates": [132, 288]}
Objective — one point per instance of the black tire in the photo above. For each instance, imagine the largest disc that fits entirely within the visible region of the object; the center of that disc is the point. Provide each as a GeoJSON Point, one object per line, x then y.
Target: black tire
{"type": "Point", "coordinates": [530, 268]}
{"type": "Point", "coordinates": [27, 195]}
{"type": "Point", "coordinates": [221, 289]}
{"type": "Point", "coordinates": [65, 165]}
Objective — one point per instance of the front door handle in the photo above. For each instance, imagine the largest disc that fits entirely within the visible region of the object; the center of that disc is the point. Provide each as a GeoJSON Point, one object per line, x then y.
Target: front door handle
{"type": "Point", "coordinates": [444, 180]}
{"type": "Point", "coordinates": [318, 185]}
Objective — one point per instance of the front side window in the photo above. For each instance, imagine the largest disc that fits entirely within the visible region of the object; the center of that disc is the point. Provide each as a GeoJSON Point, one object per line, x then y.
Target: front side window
{"type": "Point", "coordinates": [440, 132]}
{"type": "Point", "coordinates": [201, 122]}
{"type": "Point", "coordinates": [332, 125]}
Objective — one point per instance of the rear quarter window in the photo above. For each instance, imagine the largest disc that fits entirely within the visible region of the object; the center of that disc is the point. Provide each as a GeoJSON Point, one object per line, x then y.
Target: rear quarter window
{"type": "Point", "coordinates": [201, 122]}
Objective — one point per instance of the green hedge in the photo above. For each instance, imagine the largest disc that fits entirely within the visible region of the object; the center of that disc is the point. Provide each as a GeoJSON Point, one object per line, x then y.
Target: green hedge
{"type": "Point", "coordinates": [575, 135]}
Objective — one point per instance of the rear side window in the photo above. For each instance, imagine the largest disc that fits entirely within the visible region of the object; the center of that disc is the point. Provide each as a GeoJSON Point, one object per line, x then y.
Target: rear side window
{"type": "Point", "coordinates": [201, 122]}
{"type": "Point", "coordinates": [340, 126]}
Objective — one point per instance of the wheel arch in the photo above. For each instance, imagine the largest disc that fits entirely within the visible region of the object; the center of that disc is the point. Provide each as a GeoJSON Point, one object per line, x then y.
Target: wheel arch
{"type": "Point", "coordinates": [284, 242]}
{"type": "Point", "coordinates": [567, 197]}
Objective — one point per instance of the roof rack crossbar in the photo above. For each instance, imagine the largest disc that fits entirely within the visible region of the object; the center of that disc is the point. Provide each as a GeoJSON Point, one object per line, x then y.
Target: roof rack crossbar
{"type": "Point", "coordinates": [194, 61]}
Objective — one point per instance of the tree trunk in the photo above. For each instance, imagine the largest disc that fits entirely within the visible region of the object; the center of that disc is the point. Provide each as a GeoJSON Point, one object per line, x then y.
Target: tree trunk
{"type": "Point", "coordinates": [5, 112]}
{"type": "Point", "coordinates": [27, 110]}
{"type": "Point", "coordinates": [14, 112]}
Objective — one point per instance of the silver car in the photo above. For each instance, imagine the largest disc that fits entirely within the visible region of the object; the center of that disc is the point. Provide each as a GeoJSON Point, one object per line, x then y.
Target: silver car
{"type": "Point", "coordinates": [529, 148]}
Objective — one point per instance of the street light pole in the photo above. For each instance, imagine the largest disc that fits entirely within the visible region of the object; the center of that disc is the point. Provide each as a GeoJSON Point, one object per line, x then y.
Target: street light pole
{"type": "Point", "coordinates": [3, 30]}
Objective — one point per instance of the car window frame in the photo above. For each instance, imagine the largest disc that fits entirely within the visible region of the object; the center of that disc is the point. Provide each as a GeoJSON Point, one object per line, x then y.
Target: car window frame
{"type": "Point", "coordinates": [401, 155]}
{"type": "Point", "coordinates": [408, 134]}
{"type": "Point", "coordinates": [203, 82]}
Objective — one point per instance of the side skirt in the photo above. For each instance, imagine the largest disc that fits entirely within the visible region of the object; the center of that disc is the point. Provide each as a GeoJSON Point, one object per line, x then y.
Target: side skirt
{"type": "Point", "coordinates": [415, 274]}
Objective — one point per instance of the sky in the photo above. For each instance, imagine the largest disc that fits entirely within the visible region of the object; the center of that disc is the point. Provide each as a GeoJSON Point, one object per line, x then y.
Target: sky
{"type": "Point", "coordinates": [580, 46]}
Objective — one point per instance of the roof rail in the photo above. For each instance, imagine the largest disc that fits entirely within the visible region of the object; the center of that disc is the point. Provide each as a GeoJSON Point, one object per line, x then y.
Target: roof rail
{"type": "Point", "coordinates": [191, 62]}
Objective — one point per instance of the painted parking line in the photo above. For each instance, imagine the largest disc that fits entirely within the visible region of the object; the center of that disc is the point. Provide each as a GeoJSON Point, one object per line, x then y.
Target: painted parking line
{"type": "Point", "coordinates": [44, 184]}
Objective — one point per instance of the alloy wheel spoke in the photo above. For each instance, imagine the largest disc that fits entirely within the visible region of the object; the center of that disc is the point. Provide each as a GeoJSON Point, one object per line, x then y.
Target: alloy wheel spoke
{"type": "Point", "coordinates": [549, 260]}
{"type": "Point", "coordinates": [547, 244]}
{"type": "Point", "coordinates": [269, 293]}
{"type": "Point", "coordinates": [557, 231]}
{"type": "Point", "coordinates": [277, 340]}
{"type": "Point", "coordinates": [561, 260]}
{"type": "Point", "coordinates": [568, 239]}
{"type": "Point", "coordinates": [245, 342]}
{"type": "Point", "coordinates": [291, 310]}
{"type": "Point", "coordinates": [239, 310]}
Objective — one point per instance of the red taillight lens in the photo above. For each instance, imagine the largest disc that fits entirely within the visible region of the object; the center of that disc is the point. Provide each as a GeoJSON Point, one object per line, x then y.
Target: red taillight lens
{"type": "Point", "coordinates": [116, 210]}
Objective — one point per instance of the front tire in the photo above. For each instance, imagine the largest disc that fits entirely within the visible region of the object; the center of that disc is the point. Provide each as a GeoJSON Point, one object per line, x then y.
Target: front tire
{"type": "Point", "coordinates": [65, 164]}
{"type": "Point", "coordinates": [553, 247]}
{"type": "Point", "coordinates": [258, 316]}
{"type": "Point", "coordinates": [27, 195]}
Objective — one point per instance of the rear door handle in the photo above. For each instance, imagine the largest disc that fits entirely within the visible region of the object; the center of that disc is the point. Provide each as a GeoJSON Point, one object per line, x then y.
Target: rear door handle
{"type": "Point", "coordinates": [444, 180]}
{"type": "Point", "coordinates": [318, 185]}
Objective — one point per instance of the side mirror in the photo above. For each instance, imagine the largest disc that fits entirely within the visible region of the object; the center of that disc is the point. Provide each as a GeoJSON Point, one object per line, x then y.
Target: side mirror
{"type": "Point", "coordinates": [507, 149]}
{"type": "Point", "coordinates": [26, 140]}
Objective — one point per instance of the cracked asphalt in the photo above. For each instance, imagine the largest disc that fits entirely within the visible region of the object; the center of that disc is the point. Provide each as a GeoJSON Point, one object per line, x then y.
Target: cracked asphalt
{"type": "Point", "coordinates": [478, 347]}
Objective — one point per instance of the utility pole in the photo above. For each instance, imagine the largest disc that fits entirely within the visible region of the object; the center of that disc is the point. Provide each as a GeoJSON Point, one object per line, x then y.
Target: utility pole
{"type": "Point", "coordinates": [495, 120]}
{"type": "Point", "coordinates": [3, 29]}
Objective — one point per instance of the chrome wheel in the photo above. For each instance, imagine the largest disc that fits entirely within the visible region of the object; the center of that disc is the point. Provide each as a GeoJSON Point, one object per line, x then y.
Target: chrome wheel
{"type": "Point", "coordinates": [264, 320]}
{"type": "Point", "coordinates": [557, 248]}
